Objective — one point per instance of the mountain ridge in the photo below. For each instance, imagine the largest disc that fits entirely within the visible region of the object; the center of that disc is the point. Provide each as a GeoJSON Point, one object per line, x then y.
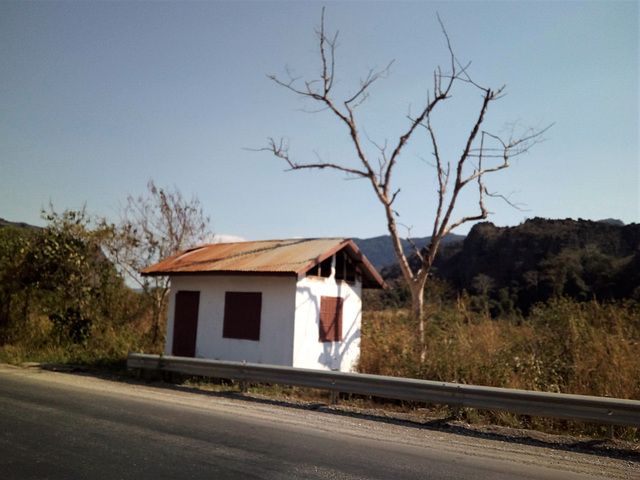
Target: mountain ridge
{"type": "Point", "coordinates": [519, 266]}
{"type": "Point", "coordinates": [380, 253]}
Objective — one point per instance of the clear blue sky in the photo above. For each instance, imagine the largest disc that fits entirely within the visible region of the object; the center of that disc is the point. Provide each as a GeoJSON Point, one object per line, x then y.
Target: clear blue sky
{"type": "Point", "coordinates": [99, 97]}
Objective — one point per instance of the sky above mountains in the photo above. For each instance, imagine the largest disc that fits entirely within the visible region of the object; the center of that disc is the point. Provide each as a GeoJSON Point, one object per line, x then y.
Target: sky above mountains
{"type": "Point", "coordinates": [99, 97]}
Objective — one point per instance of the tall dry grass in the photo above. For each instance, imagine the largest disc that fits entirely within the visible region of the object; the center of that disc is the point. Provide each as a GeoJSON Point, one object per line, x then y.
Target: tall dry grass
{"type": "Point", "coordinates": [563, 346]}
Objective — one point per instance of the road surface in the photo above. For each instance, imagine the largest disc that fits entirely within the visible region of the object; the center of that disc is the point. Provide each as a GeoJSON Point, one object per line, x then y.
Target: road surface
{"type": "Point", "coordinates": [63, 426]}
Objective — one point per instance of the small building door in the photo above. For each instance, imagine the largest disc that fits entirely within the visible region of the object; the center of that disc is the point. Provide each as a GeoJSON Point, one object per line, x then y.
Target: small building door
{"type": "Point", "coordinates": [185, 324]}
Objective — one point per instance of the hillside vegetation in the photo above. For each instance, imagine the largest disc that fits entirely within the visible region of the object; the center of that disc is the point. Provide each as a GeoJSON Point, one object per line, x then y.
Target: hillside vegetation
{"type": "Point", "coordinates": [549, 305]}
{"type": "Point", "coordinates": [512, 268]}
{"type": "Point", "coordinates": [61, 300]}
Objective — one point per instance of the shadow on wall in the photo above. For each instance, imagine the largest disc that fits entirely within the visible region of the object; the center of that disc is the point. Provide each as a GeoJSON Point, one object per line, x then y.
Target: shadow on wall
{"type": "Point", "coordinates": [334, 352]}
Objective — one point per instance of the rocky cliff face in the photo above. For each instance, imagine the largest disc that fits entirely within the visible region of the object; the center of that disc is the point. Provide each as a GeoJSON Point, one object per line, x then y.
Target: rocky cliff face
{"type": "Point", "coordinates": [541, 258]}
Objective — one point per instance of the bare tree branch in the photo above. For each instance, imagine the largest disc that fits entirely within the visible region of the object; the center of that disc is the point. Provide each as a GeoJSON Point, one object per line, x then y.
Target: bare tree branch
{"type": "Point", "coordinates": [408, 238]}
{"type": "Point", "coordinates": [505, 198]}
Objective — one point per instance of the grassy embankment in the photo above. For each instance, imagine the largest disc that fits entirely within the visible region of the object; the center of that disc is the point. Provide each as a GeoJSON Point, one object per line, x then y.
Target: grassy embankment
{"type": "Point", "coordinates": [105, 346]}
{"type": "Point", "coordinates": [563, 346]}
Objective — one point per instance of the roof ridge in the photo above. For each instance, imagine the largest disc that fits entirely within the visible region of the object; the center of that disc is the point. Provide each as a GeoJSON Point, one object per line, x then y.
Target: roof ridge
{"type": "Point", "coordinates": [283, 243]}
{"type": "Point", "coordinates": [297, 240]}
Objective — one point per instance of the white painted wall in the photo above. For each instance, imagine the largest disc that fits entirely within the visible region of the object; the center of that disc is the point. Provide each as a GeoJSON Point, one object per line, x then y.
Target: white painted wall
{"type": "Point", "coordinates": [276, 325]}
{"type": "Point", "coordinates": [290, 320]}
{"type": "Point", "coordinates": [308, 352]}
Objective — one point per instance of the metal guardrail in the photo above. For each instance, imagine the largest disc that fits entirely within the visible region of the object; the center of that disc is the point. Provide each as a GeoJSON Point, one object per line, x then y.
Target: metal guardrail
{"type": "Point", "coordinates": [603, 410]}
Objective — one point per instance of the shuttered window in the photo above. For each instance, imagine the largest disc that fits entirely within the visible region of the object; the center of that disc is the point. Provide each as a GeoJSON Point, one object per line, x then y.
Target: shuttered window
{"type": "Point", "coordinates": [242, 315]}
{"type": "Point", "coordinates": [330, 319]}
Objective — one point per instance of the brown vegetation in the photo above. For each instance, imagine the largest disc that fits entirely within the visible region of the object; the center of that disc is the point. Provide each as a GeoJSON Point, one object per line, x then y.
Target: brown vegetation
{"type": "Point", "coordinates": [563, 346]}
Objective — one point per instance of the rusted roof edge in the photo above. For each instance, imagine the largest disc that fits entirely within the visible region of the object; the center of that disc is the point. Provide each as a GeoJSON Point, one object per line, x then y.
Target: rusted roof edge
{"type": "Point", "coordinates": [218, 273]}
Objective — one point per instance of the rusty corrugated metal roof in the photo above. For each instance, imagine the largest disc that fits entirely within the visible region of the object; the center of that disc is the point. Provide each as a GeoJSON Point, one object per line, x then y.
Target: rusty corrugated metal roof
{"type": "Point", "coordinates": [295, 257]}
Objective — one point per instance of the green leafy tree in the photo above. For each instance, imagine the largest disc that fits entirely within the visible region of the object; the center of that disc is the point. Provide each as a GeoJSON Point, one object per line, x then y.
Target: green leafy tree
{"type": "Point", "coordinates": [58, 273]}
{"type": "Point", "coordinates": [14, 243]}
{"type": "Point", "coordinates": [67, 268]}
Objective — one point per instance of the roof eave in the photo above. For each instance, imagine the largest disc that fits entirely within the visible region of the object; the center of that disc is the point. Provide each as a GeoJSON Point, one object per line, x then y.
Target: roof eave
{"type": "Point", "coordinates": [218, 273]}
{"type": "Point", "coordinates": [371, 278]}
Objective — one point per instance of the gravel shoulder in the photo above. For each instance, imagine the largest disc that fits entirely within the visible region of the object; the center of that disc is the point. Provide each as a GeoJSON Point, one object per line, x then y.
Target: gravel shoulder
{"type": "Point", "coordinates": [613, 459]}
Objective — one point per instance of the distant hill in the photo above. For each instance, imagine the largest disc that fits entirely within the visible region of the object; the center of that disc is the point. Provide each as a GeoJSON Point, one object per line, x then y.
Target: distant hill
{"type": "Point", "coordinates": [540, 258]}
{"type": "Point", "coordinates": [612, 221]}
{"type": "Point", "coordinates": [379, 250]}
{"type": "Point", "coordinates": [26, 226]}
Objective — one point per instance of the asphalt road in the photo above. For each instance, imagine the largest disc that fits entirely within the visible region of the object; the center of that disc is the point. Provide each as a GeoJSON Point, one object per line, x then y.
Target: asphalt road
{"type": "Point", "coordinates": [62, 426]}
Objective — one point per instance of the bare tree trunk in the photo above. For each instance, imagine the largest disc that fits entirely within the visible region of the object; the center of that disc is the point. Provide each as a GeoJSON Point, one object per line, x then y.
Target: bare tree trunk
{"type": "Point", "coordinates": [160, 296]}
{"type": "Point", "coordinates": [157, 311]}
{"type": "Point", "coordinates": [417, 309]}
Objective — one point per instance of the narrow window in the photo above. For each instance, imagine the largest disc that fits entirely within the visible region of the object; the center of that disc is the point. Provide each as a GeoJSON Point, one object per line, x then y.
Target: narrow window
{"type": "Point", "coordinates": [242, 315]}
{"type": "Point", "coordinates": [330, 319]}
{"type": "Point", "coordinates": [351, 271]}
{"type": "Point", "coordinates": [340, 261]}
{"type": "Point", "coordinates": [325, 267]}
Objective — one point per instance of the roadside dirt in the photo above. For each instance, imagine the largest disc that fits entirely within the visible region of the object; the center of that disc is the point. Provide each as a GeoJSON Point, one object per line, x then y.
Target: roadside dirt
{"type": "Point", "coordinates": [613, 459]}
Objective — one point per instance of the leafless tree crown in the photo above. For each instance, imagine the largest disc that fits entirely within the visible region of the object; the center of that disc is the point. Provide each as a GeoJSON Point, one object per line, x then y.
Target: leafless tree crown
{"type": "Point", "coordinates": [483, 153]}
{"type": "Point", "coordinates": [153, 226]}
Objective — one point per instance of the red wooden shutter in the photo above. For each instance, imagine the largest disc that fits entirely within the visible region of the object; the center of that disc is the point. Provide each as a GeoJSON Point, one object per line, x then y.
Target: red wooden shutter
{"type": "Point", "coordinates": [185, 324]}
{"type": "Point", "coordinates": [330, 319]}
{"type": "Point", "coordinates": [242, 315]}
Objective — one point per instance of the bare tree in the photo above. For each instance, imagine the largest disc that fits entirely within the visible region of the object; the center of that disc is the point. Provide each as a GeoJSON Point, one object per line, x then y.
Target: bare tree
{"type": "Point", "coordinates": [154, 226]}
{"type": "Point", "coordinates": [483, 153]}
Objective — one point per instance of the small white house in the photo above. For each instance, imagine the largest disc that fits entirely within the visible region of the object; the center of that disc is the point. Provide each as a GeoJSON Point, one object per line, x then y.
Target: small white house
{"type": "Point", "coordinates": [295, 303]}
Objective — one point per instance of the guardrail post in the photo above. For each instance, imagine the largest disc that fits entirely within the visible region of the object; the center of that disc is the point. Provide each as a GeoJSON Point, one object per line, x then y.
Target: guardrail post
{"type": "Point", "coordinates": [335, 394]}
{"type": "Point", "coordinates": [160, 373]}
{"type": "Point", "coordinates": [455, 412]}
{"type": "Point", "coordinates": [610, 434]}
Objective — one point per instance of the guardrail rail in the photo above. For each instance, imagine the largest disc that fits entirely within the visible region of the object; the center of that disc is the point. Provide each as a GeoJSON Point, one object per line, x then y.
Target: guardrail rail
{"type": "Point", "coordinates": [603, 410]}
